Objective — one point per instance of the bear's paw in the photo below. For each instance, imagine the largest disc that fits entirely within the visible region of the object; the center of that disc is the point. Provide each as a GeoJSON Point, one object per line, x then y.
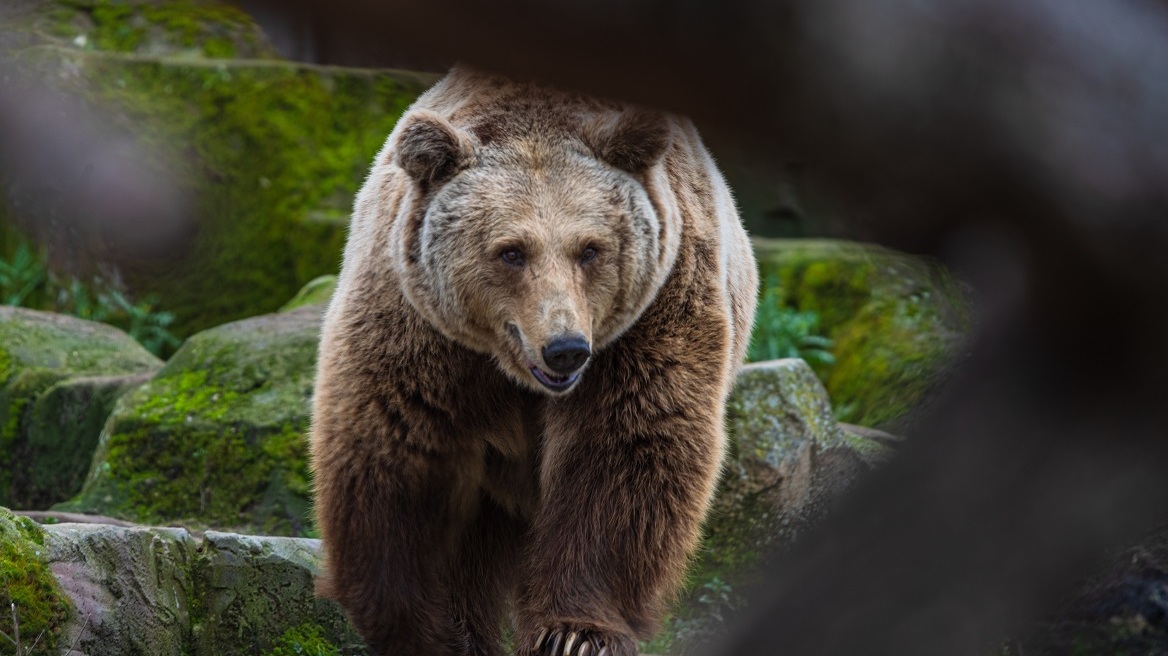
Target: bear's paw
{"type": "Point", "coordinates": [575, 640]}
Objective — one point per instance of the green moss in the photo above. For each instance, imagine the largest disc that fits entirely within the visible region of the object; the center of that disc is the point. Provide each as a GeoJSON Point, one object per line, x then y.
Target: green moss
{"type": "Point", "coordinates": [182, 454]}
{"type": "Point", "coordinates": [6, 368]}
{"type": "Point", "coordinates": [60, 435]}
{"type": "Point", "coordinates": [16, 397]}
{"type": "Point", "coordinates": [26, 581]}
{"type": "Point", "coordinates": [217, 437]}
{"type": "Point", "coordinates": [189, 394]}
{"type": "Point", "coordinates": [889, 362]}
{"type": "Point", "coordinates": [190, 27]}
{"type": "Point", "coordinates": [264, 148]}
{"type": "Point", "coordinates": [257, 597]}
{"type": "Point", "coordinates": [895, 321]}
{"type": "Point", "coordinates": [303, 640]}
{"type": "Point", "coordinates": [318, 291]}
{"type": "Point", "coordinates": [269, 153]}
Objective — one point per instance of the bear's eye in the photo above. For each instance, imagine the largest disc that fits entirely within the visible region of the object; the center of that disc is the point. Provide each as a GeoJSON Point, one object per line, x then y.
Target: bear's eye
{"type": "Point", "coordinates": [588, 254]}
{"type": "Point", "coordinates": [512, 256]}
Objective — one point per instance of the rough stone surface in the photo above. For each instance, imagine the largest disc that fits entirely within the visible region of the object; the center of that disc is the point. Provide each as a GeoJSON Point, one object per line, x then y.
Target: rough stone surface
{"type": "Point", "coordinates": [245, 582]}
{"type": "Point", "coordinates": [131, 587]}
{"type": "Point", "coordinates": [216, 438]}
{"type": "Point", "coordinates": [159, 591]}
{"type": "Point", "coordinates": [59, 378]}
{"type": "Point", "coordinates": [897, 321]}
{"type": "Point", "coordinates": [788, 445]}
{"type": "Point", "coordinates": [790, 459]}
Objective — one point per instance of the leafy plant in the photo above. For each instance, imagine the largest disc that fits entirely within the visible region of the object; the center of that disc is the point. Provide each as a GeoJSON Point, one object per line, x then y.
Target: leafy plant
{"type": "Point", "coordinates": [704, 619]}
{"type": "Point", "coordinates": [781, 331]}
{"type": "Point", "coordinates": [717, 598]}
{"type": "Point", "coordinates": [139, 319]}
{"type": "Point", "coordinates": [21, 276]}
{"type": "Point", "coordinates": [26, 282]}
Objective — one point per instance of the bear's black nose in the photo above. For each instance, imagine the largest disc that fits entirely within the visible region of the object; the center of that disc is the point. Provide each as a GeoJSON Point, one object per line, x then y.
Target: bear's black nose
{"type": "Point", "coordinates": [566, 354]}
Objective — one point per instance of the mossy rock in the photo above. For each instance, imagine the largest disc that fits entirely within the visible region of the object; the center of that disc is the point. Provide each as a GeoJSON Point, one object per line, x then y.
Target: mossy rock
{"type": "Point", "coordinates": [189, 28]}
{"type": "Point", "coordinates": [256, 596]}
{"type": "Point", "coordinates": [789, 462]}
{"type": "Point", "coordinates": [42, 609]}
{"type": "Point", "coordinates": [1122, 609]}
{"type": "Point", "coordinates": [59, 379]}
{"type": "Point", "coordinates": [897, 321]}
{"type": "Point", "coordinates": [269, 153]}
{"type": "Point", "coordinates": [318, 291]}
{"type": "Point", "coordinates": [216, 438]}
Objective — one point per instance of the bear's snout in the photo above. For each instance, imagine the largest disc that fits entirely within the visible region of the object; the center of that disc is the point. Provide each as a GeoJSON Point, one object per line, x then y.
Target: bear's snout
{"type": "Point", "coordinates": [566, 353]}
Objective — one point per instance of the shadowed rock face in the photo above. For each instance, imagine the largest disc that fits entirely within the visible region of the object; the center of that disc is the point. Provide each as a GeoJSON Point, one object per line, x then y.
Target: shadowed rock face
{"type": "Point", "coordinates": [789, 462]}
{"type": "Point", "coordinates": [1121, 610]}
{"type": "Point", "coordinates": [59, 378]}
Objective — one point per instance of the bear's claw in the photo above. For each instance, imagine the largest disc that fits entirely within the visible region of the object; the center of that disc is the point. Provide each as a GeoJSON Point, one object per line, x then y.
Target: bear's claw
{"type": "Point", "coordinates": [565, 642]}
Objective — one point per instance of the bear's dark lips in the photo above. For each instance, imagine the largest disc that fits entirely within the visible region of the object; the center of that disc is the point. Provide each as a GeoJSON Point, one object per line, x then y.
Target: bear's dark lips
{"type": "Point", "coordinates": [552, 381]}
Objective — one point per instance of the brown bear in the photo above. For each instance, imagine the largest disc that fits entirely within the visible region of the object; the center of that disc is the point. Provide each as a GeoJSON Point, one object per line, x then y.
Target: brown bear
{"type": "Point", "coordinates": [543, 303]}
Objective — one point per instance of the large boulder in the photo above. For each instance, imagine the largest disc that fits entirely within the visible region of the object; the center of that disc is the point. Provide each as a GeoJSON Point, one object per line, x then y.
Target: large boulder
{"type": "Point", "coordinates": [789, 462]}
{"type": "Point", "coordinates": [216, 438]}
{"type": "Point", "coordinates": [897, 321]}
{"type": "Point", "coordinates": [267, 154]}
{"type": "Point", "coordinates": [59, 379]}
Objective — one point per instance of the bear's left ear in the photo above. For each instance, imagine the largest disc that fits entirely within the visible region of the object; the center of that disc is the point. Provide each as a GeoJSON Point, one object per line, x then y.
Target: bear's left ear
{"type": "Point", "coordinates": [430, 149]}
{"type": "Point", "coordinates": [633, 142]}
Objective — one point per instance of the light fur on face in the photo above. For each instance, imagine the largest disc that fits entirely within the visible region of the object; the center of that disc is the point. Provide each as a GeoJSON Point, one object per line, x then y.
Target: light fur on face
{"type": "Point", "coordinates": [586, 234]}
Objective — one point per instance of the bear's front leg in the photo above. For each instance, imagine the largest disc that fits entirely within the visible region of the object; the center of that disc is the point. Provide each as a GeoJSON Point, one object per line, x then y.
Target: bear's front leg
{"type": "Point", "coordinates": [388, 522]}
{"type": "Point", "coordinates": [629, 466]}
{"type": "Point", "coordinates": [399, 508]}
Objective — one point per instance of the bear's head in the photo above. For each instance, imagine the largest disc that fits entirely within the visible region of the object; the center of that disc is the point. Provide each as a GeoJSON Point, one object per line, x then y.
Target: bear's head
{"type": "Point", "coordinates": [536, 249]}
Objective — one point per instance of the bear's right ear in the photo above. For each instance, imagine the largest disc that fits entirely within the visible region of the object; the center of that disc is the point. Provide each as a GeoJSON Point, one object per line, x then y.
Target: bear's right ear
{"type": "Point", "coordinates": [430, 149]}
{"type": "Point", "coordinates": [634, 141]}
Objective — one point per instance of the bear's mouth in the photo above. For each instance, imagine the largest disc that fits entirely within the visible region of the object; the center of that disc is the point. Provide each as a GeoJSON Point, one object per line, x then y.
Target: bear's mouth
{"type": "Point", "coordinates": [554, 382]}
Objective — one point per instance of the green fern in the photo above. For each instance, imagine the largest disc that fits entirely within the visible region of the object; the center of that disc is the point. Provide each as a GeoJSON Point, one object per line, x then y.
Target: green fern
{"type": "Point", "coordinates": [26, 282]}
{"type": "Point", "coordinates": [781, 331]}
{"type": "Point", "coordinates": [21, 276]}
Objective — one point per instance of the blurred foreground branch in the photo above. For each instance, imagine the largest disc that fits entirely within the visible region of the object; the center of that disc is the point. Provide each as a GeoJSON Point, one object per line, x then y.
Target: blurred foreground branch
{"type": "Point", "coordinates": [1024, 142]}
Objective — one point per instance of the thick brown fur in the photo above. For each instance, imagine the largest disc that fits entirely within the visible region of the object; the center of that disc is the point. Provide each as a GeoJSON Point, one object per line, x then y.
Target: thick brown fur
{"type": "Point", "coordinates": [450, 480]}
